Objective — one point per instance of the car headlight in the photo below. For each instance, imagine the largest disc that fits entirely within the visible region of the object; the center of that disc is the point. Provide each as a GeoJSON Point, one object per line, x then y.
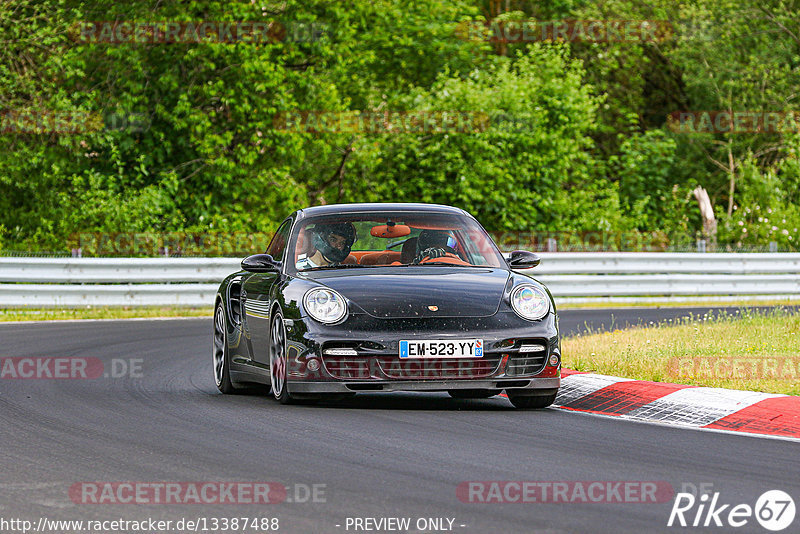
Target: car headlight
{"type": "Point", "coordinates": [325, 305]}
{"type": "Point", "coordinates": [530, 302]}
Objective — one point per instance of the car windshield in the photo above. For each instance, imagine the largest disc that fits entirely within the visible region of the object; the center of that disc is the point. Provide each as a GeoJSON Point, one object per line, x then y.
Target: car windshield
{"type": "Point", "coordinates": [382, 239]}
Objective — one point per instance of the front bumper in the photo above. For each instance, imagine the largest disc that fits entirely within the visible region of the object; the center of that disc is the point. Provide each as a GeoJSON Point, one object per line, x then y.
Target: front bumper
{"type": "Point", "coordinates": [517, 355]}
{"type": "Point", "coordinates": [534, 385]}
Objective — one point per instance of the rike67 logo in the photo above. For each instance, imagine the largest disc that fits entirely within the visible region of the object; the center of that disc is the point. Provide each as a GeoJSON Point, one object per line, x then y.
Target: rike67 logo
{"type": "Point", "coordinates": [774, 510]}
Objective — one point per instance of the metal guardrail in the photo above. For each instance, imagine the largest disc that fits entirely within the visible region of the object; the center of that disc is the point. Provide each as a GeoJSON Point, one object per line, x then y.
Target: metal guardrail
{"type": "Point", "coordinates": [116, 270]}
{"type": "Point", "coordinates": [70, 296]}
{"type": "Point", "coordinates": [608, 263]}
{"type": "Point", "coordinates": [70, 282]}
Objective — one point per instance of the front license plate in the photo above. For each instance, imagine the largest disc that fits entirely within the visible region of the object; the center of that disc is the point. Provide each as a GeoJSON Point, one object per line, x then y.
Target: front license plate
{"type": "Point", "coordinates": [435, 348]}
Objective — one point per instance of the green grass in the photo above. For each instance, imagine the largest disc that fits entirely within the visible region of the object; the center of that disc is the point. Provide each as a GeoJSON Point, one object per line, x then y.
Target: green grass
{"type": "Point", "coordinates": [55, 314]}
{"type": "Point", "coordinates": [749, 351]}
{"type": "Point", "coordinates": [697, 303]}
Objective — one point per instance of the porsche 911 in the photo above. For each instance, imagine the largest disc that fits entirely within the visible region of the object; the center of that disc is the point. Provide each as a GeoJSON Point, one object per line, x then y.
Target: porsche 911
{"type": "Point", "coordinates": [387, 297]}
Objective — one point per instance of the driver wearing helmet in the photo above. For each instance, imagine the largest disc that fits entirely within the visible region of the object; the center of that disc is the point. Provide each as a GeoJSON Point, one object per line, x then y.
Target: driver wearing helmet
{"type": "Point", "coordinates": [432, 244]}
{"type": "Point", "coordinates": [332, 243]}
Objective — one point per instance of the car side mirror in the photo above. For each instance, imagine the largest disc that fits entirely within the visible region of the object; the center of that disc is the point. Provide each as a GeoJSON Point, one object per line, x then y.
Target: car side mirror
{"type": "Point", "coordinates": [260, 263]}
{"type": "Point", "coordinates": [522, 259]}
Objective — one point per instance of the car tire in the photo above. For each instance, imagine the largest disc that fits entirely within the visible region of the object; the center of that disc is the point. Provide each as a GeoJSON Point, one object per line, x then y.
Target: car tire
{"type": "Point", "coordinates": [531, 402]}
{"type": "Point", "coordinates": [278, 364]}
{"type": "Point", "coordinates": [220, 353]}
{"type": "Point", "coordinates": [472, 393]}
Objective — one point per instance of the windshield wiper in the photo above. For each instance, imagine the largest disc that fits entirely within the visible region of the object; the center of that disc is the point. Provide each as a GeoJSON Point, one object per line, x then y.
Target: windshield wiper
{"type": "Point", "coordinates": [444, 263]}
{"type": "Point", "coordinates": [340, 266]}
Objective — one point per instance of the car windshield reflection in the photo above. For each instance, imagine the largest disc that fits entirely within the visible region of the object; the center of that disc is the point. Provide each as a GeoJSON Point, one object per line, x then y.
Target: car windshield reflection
{"type": "Point", "coordinates": [393, 239]}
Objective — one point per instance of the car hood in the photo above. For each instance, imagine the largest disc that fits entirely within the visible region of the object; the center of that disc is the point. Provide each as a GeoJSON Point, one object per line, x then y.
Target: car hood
{"type": "Point", "coordinates": [414, 292]}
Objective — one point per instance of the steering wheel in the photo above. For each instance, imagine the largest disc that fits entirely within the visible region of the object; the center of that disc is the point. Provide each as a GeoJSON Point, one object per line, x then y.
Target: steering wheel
{"type": "Point", "coordinates": [444, 254]}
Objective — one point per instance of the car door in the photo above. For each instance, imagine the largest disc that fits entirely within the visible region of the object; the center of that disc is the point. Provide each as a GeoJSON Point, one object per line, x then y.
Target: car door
{"type": "Point", "coordinates": [256, 297]}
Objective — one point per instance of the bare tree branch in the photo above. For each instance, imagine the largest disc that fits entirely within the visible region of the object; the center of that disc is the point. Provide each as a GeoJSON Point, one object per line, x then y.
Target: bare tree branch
{"type": "Point", "coordinates": [338, 174]}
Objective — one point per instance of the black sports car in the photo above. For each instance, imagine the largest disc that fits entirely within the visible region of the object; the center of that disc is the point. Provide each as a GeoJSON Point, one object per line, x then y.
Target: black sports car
{"type": "Point", "coordinates": [387, 297]}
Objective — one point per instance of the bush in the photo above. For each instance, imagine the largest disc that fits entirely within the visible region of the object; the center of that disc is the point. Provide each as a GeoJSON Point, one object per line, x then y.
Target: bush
{"type": "Point", "coordinates": [517, 173]}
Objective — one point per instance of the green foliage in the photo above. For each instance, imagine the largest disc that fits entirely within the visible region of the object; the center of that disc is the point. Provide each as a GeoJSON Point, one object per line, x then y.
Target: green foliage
{"type": "Point", "coordinates": [513, 174]}
{"type": "Point", "coordinates": [576, 138]}
{"type": "Point", "coordinates": [652, 182]}
{"type": "Point", "coordinates": [767, 212]}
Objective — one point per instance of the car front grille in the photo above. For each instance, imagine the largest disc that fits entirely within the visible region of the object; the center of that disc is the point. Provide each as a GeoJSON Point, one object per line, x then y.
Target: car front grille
{"type": "Point", "coordinates": [435, 368]}
{"type": "Point", "coordinates": [355, 367]}
{"type": "Point", "coordinates": [526, 363]}
{"type": "Point", "coordinates": [348, 366]}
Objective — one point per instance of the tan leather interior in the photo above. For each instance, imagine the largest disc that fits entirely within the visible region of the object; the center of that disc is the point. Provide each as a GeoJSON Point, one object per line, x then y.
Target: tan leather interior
{"type": "Point", "coordinates": [385, 257]}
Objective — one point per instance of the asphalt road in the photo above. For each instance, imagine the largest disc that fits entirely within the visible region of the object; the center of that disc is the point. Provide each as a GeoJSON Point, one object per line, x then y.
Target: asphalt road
{"type": "Point", "coordinates": [378, 455]}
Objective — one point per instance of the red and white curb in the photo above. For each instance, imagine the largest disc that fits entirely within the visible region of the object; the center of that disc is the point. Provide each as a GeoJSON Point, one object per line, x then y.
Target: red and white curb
{"type": "Point", "coordinates": [688, 406]}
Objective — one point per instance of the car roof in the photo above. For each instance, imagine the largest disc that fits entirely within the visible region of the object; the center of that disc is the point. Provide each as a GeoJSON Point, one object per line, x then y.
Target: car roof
{"type": "Point", "coordinates": [367, 207]}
